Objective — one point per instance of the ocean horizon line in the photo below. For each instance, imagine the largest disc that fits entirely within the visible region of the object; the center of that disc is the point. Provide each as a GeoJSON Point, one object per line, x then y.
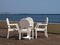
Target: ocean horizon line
{"type": "Point", "coordinates": [30, 13]}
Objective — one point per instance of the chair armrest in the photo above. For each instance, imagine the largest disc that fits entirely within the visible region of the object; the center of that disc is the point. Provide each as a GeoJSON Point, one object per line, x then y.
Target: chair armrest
{"type": "Point", "coordinates": [43, 24]}
{"type": "Point", "coordinates": [13, 24]}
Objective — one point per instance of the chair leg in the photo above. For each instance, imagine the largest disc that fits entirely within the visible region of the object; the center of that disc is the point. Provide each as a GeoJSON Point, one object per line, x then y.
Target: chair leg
{"type": "Point", "coordinates": [35, 34]}
{"type": "Point", "coordinates": [8, 35]}
{"type": "Point", "coordinates": [19, 32]}
{"type": "Point", "coordinates": [46, 33]}
{"type": "Point", "coordinates": [19, 36]}
{"type": "Point", "coordinates": [29, 34]}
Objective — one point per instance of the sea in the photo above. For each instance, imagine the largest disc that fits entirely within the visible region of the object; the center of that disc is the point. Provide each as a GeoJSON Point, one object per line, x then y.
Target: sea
{"type": "Point", "coordinates": [53, 18]}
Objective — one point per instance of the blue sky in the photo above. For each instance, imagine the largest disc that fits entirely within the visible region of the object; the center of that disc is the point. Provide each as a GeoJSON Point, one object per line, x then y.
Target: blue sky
{"type": "Point", "coordinates": [30, 6]}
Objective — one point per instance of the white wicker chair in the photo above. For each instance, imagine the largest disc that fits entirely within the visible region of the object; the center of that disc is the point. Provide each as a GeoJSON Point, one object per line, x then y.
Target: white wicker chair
{"type": "Point", "coordinates": [25, 28]}
{"type": "Point", "coordinates": [37, 28]}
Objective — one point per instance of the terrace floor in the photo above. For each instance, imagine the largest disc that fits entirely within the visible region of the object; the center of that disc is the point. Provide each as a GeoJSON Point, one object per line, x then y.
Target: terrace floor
{"type": "Point", "coordinates": [53, 39]}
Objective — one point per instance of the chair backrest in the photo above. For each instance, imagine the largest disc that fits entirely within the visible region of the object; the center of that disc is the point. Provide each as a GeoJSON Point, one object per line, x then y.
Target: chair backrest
{"type": "Point", "coordinates": [29, 18]}
{"type": "Point", "coordinates": [30, 21]}
{"type": "Point", "coordinates": [47, 20]}
{"type": "Point", "coordinates": [23, 23]}
{"type": "Point", "coordinates": [7, 20]}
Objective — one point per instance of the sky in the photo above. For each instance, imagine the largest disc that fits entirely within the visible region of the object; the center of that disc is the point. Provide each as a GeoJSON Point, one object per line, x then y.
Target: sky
{"type": "Point", "coordinates": [30, 6]}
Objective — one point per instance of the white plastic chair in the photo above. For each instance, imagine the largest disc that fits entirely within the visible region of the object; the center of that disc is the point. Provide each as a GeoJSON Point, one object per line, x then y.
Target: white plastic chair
{"type": "Point", "coordinates": [9, 27]}
{"type": "Point", "coordinates": [25, 28]}
{"type": "Point", "coordinates": [37, 28]}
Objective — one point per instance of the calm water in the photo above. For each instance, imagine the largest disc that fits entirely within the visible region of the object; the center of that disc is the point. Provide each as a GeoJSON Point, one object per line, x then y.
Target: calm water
{"type": "Point", "coordinates": [53, 18]}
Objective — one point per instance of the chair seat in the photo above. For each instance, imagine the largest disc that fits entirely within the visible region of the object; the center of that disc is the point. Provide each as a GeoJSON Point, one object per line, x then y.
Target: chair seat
{"type": "Point", "coordinates": [13, 29]}
{"type": "Point", "coordinates": [24, 30]}
{"type": "Point", "coordinates": [40, 29]}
